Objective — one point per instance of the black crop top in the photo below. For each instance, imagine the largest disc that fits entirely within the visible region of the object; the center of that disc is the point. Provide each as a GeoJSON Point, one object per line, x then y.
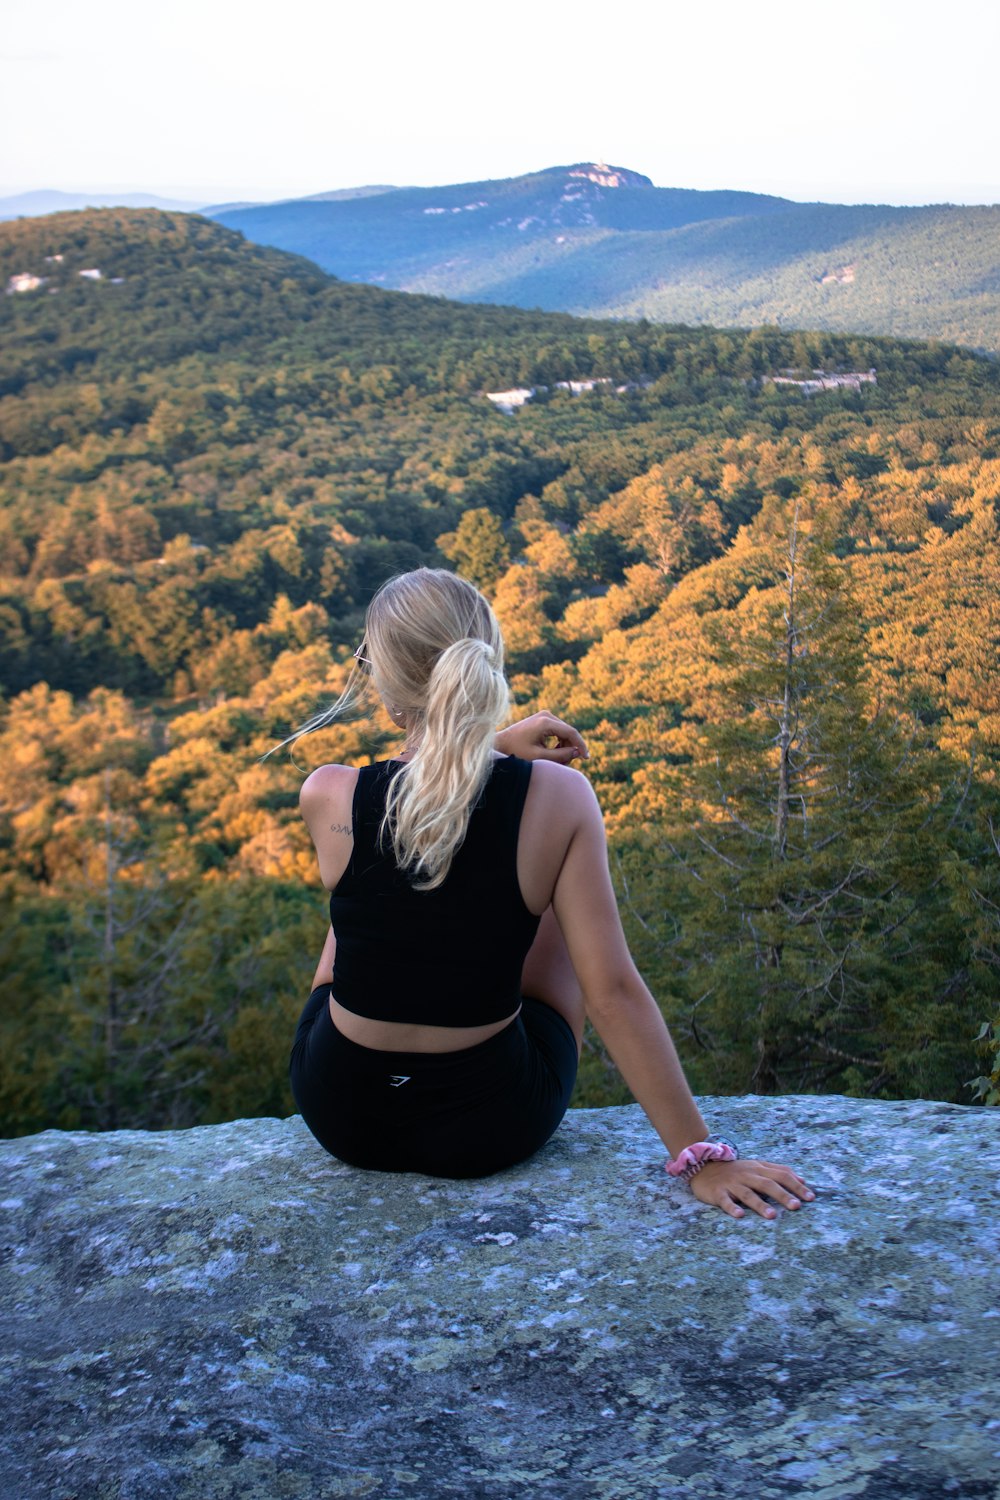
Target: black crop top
{"type": "Point", "coordinates": [446, 957]}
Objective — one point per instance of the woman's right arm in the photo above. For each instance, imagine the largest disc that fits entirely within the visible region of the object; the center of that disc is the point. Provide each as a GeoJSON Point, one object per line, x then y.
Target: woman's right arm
{"type": "Point", "coordinates": [629, 1022]}
{"type": "Point", "coordinates": [326, 803]}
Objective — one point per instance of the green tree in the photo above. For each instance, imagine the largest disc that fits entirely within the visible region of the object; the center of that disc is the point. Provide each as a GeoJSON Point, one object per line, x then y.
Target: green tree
{"type": "Point", "coordinates": [478, 548]}
{"type": "Point", "coordinates": [977, 892]}
{"type": "Point", "coordinates": [804, 900]}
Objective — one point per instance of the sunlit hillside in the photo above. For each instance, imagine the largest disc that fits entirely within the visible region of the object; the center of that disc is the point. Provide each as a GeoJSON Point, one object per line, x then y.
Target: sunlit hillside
{"type": "Point", "coordinates": [773, 613]}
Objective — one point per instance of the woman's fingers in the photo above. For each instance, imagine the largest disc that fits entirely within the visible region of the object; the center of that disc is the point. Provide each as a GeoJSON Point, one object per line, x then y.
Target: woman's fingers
{"type": "Point", "coordinates": [562, 753]}
{"type": "Point", "coordinates": [737, 1186]}
{"type": "Point", "coordinates": [746, 1195]}
{"type": "Point", "coordinates": [531, 738]}
{"type": "Point", "coordinates": [788, 1179]}
{"type": "Point", "coordinates": [569, 742]}
{"type": "Point", "coordinates": [743, 1194]}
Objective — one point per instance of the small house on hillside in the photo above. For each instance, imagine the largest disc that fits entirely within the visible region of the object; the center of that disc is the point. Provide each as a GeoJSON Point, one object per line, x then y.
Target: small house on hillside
{"type": "Point", "coordinates": [509, 401]}
{"type": "Point", "coordinates": [24, 281]}
{"type": "Point", "coordinates": [579, 387]}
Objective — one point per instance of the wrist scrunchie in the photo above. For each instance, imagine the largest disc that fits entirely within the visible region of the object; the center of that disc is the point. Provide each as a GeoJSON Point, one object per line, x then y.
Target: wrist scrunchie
{"type": "Point", "coordinates": [689, 1162]}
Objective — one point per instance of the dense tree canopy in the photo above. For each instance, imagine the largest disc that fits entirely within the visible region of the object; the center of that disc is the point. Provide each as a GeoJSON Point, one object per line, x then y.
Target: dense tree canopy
{"type": "Point", "coordinates": [774, 616]}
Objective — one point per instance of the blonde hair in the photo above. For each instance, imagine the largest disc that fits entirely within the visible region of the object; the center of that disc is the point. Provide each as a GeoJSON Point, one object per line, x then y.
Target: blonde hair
{"type": "Point", "coordinates": [435, 655]}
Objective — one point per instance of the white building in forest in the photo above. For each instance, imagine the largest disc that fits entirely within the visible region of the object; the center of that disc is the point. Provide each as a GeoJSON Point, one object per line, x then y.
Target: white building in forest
{"type": "Point", "coordinates": [24, 281]}
{"type": "Point", "coordinates": [509, 401]}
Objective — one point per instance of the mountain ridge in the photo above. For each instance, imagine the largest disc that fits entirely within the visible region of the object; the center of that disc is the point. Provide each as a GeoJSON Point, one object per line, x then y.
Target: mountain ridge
{"type": "Point", "coordinates": [44, 201]}
{"type": "Point", "coordinates": [563, 239]}
{"type": "Point", "coordinates": [407, 223]}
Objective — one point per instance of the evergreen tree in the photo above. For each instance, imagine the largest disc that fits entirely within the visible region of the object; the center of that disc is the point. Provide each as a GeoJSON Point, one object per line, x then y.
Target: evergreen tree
{"type": "Point", "coordinates": [478, 548]}
{"type": "Point", "coordinates": [815, 937]}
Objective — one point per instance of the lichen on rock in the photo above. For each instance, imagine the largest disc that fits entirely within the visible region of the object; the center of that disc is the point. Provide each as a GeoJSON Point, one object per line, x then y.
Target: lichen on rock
{"type": "Point", "coordinates": [228, 1312]}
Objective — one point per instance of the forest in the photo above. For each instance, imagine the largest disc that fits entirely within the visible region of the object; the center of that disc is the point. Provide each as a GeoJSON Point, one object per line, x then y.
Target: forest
{"type": "Point", "coordinates": [774, 616]}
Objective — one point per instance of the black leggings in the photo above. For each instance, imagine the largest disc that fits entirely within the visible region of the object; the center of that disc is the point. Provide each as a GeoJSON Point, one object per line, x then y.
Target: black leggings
{"type": "Point", "coordinates": [447, 1114]}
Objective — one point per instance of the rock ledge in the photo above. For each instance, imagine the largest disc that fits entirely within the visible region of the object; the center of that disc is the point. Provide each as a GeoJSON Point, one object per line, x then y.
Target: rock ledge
{"type": "Point", "coordinates": [227, 1312]}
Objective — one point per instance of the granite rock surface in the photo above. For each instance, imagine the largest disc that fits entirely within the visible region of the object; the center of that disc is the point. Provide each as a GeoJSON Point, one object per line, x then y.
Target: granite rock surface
{"type": "Point", "coordinates": [227, 1312]}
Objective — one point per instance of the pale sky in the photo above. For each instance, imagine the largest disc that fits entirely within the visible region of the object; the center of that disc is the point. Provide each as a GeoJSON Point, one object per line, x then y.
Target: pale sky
{"type": "Point", "coordinates": [888, 101]}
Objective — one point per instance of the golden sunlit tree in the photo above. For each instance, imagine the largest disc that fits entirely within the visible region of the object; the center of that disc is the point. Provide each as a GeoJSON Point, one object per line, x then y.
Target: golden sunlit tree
{"type": "Point", "coordinates": [805, 918]}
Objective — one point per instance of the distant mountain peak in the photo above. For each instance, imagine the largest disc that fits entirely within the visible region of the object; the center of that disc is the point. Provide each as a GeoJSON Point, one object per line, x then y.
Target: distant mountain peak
{"type": "Point", "coordinates": [609, 177]}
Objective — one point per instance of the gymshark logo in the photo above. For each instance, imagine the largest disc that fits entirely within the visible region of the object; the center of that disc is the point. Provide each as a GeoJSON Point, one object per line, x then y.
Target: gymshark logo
{"type": "Point", "coordinates": [398, 1079]}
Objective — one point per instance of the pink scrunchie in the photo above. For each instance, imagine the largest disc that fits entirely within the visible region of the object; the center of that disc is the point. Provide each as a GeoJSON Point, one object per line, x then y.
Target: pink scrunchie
{"type": "Point", "coordinates": [691, 1160]}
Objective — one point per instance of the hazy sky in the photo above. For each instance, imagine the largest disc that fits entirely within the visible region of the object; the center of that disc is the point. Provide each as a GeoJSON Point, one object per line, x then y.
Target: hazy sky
{"type": "Point", "coordinates": [860, 100]}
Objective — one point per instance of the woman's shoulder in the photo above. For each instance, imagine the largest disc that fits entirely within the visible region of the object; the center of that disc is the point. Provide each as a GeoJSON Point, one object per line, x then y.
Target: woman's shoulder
{"type": "Point", "coordinates": [561, 787]}
{"type": "Point", "coordinates": [330, 775]}
{"type": "Point", "coordinates": [324, 783]}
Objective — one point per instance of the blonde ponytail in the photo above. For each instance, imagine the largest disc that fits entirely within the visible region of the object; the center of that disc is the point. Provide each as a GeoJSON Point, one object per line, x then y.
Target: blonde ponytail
{"type": "Point", "coordinates": [430, 800]}
{"type": "Point", "coordinates": [435, 655]}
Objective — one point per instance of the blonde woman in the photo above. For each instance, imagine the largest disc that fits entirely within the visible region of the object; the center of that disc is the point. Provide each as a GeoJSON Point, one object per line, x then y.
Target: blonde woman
{"type": "Point", "coordinates": [474, 926]}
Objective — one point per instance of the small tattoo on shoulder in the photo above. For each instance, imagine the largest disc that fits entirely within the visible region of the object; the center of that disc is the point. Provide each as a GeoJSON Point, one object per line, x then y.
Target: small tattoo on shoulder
{"type": "Point", "coordinates": [342, 828]}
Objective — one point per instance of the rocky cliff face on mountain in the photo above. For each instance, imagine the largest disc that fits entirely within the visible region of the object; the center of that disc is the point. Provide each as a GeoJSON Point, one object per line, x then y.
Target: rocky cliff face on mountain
{"type": "Point", "coordinates": [227, 1312]}
{"type": "Point", "coordinates": [609, 177]}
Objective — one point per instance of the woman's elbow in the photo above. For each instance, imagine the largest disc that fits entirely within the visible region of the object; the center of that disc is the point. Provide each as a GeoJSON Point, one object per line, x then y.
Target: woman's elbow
{"type": "Point", "coordinates": [613, 996]}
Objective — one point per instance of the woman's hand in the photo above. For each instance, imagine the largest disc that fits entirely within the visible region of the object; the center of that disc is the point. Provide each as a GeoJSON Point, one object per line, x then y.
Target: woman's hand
{"type": "Point", "coordinates": [529, 740]}
{"type": "Point", "coordinates": [736, 1185]}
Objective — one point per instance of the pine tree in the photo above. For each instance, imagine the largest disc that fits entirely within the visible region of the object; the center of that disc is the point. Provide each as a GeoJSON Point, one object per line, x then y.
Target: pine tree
{"type": "Point", "coordinates": [812, 931]}
{"type": "Point", "coordinates": [478, 548]}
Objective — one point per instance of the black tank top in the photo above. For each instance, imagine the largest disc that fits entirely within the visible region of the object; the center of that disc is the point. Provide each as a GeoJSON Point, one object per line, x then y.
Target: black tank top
{"type": "Point", "coordinates": [447, 957]}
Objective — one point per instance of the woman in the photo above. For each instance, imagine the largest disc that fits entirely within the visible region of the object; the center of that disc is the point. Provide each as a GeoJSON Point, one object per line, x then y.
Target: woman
{"type": "Point", "coordinates": [474, 926]}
